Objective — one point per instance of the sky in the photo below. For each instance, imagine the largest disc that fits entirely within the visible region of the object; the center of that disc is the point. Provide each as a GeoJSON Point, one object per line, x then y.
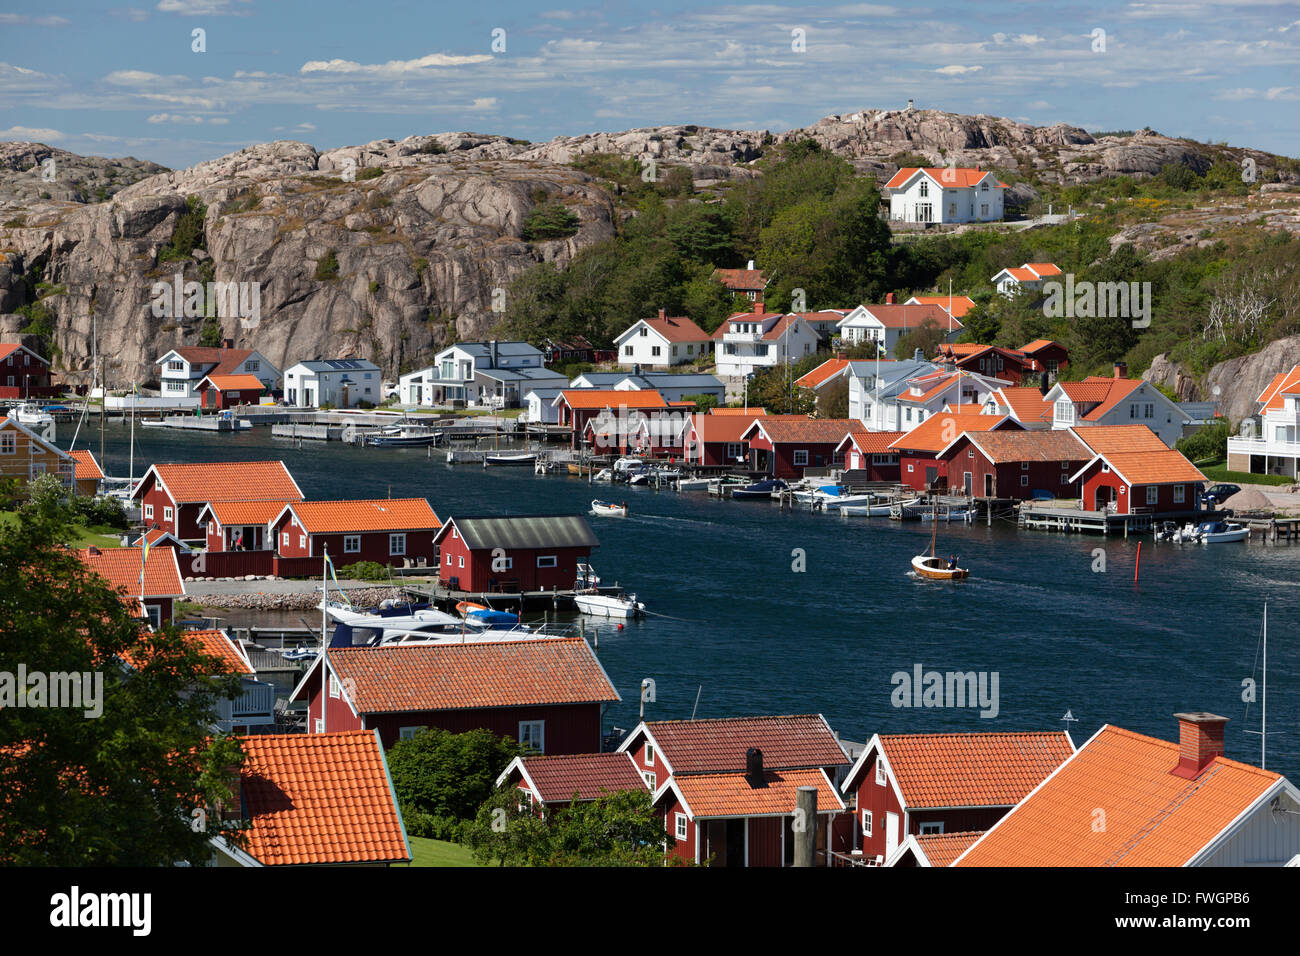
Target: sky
{"type": "Point", "coordinates": [134, 79]}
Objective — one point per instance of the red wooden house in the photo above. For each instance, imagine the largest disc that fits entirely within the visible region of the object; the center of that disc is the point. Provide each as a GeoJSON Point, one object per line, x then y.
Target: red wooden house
{"type": "Point", "coordinates": [548, 693]}
{"type": "Point", "coordinates": [1133, 471]}
{"type": "Point", "coordinates": [870, 452]}
{"type": "Point", "coordinates": [315, 799]}
{"type": "Point", "coordinates": [152, 594]}
{"type": "Point", "coordinates": [24, 374]}
{"type": "Point", "coordinates": [993, 361]}
{"type": "Point", "coordinates": [919, 450]}
{"type": "Point", "coordinates": [383, 530]}
{"type": "Point", "coordinates": [1047, 356]}
{"type": "Point", "coordinates": [783, 446]}
{"type": "Point", "coordinates": [173, 495]}
{"type": "Point", "coordinates": [528, 553]}
{"type": "Point", "coordinates": [720, 801]}
{"type": "Point", "coordinates": [904, 784]}
{"type": "Point", "coordinates": [577, 406]}
{"type": "Point", "coordinates": [1014, 464]}
{"type": "Point", "coordinates": [227, 391]}
{"type": "Point", "coordinates": [716, 440]}
{"type": "Point", "coordinates": [555, 781]}
{"type": "Point", "coordinates": [240, 525]}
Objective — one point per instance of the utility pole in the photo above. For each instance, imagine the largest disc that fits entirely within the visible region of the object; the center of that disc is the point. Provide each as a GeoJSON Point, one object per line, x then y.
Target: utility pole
{"type": "Point", "coordinates": [805, 835]}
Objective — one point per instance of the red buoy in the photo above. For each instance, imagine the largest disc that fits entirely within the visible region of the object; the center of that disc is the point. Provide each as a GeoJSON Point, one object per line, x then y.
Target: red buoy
{"type": "Point", "coordinates": [620, 627]}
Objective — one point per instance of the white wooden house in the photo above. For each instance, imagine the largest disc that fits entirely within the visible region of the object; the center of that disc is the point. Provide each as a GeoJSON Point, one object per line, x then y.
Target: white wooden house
{"type": "Point", "coordinates": [661, 341]}
{"type": "Point", "coordinates": [944, 195]}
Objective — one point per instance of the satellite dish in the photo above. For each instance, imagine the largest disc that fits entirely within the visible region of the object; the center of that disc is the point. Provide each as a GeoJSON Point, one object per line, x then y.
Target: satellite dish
{"type": "Point", "coordinates": [1217, 391]}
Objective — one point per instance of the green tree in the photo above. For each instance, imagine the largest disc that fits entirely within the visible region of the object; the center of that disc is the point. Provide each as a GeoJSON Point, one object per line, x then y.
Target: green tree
{"type": "Point", "coordinates": [833, 402]}
{"type": "Point", "coordinates": [189, 232]}
{"type": "Point", "coordinates": [327, 267]}
{"type": "Point", "coordinates": [925, 337]}
{"type": "Point", "coordinates": [549, 220]}
{"type": "Point", "coordinates": [119, 789]}
{"type": "Point", "coordinates": [448, 775]}
{"type": "Point", "coordinates": [211, 335]}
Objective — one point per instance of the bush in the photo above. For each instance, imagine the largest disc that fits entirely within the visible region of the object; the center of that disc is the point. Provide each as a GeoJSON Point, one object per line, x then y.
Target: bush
{"type": "Point", "coordinates": [433, 149]}
{"type": "Point", "coordinates": [365, 570]}
{"type": "Point", "coordinates": [328, 267]}
{"type": "Point", "coordinates": [100, 511]}
{"type": "Point", "coordinates": [189, 232]}
{"type": "Point", "coordinates": [369, 172]}
{"type": "Point", "coordinates": [1208, 444]}
{"type": "Point", "coordinates": [447, 776]}
{"type": "Point", "coordinates": [550, 220]}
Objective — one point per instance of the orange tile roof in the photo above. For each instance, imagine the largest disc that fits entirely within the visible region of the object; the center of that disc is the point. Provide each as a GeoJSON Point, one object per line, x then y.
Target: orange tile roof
{"type": "Point", "coordinates": [429, 677]}
{"type": "Point", "coordinates": [751, 412]}
{"type": "Point", "coordinates": [677, 329]}
{"type": "Point", "coordinates": [224, 360]}
{"type": "Point", "coordinates": [1120, 439]}
{"type": "Point", "coordinates": [1026, 403]}
{"type": "Point", "coordinates": [598, 398]}
{"type": "Point", "coordinates": [1154, 467]}
{"type": "Point", "coordinates": [949, 176]}
{"type": "Point", "coordinates": [1120, 389]}
{"type": "Point", "coordinates": [1046, 445]}
{"type": "Point", "coordinates": [783, 429]}
{"type": "Point", "coordinates": [557, 778]}
{"type": "Point", "coordinates": [1153, 817]}
{"type": "Point", "coordinates": [1283, 382]}
{"type": "Point", "coordinates": [216, 643]}
{"type": "Point", "coordinates": [715, 428]}
{"type": "Point", "coordinates": [225, 481]}
{"type": "Point", "coordinates": [380, 514]}
{"type": "Point", "coordinates": [741, 280]}
{"type": "Point", "coordinates": [911, 316]}
{"type": "Point", "coordinates": [725, 327]}
{"type": "Point", "coordinates": [942, 848]}
{"type": "Point", "coordinates": [714, 795]}
{"type": "Point", "coordinates": [961, 304]}
{"type": "Point", "coordinates": [243, 512]}
{"type": "Point", "coordinates": [718, 745]}
{"type": "Point", "coordinates": [962, 348]}
{"type": "Point", "coordinates": [1038, 344]}
{"type": "Point", "coordinates": [229, 383]}
{"type": "Point", "coordinates": [154, 535]}
{"type": "Point", "coordinates": [87, 467]}
{"type": "Point", "coordinates": [929, 435]}
{"type": "Point", "coordinates": [1090, 390]}
{"type": "Point", "coordinates": [822, 373]}
{"type": "Point", "coordinates": [871, 443]}
{"type": "Point", "coordinates": [120, 567]}
{"type": "Point", "coordinates": [7, 347]}
{"type": "Point", "coordinates": [932, 388]}
{"type": "Point", "coordinates": [972, 769]}
{"type": "Point", "coordinates": [320, 798]}
{"type": "Point", "coordinates": [1044, 268]}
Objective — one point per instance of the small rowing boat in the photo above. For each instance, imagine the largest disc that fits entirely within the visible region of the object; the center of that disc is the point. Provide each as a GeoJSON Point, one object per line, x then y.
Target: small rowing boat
{"type": "Point", "coordinates": [524, 459]}
{"type": "Point", "coordinates": [608, 509]}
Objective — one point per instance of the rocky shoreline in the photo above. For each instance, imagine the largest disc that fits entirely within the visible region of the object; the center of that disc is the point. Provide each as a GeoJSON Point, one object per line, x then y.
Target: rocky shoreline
{"type": "Point", "coordinates": [297, 601]}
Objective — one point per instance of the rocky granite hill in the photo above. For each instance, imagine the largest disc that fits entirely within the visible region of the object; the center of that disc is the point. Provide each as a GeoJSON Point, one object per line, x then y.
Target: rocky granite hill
{"type": "Point", "coordinates": [422, 230]}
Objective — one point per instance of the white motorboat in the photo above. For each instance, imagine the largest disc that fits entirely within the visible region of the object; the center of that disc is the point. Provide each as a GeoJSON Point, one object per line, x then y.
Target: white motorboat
{"type": "Point", "coordinates": [605, 474]}
{"type": "Point", "coordinates": [373, 629]}
{"type": "Point", "coordinates": [609, 509]}
{"type": "Point", "coordinates": [608, 605]}
{"type": "Point", "coordinates": [1222, 532]}
{"type": "Point", "coordinates": [865, 510]}
{"type": "Point", "coordinates": [36, 419]}
{"type": "Point", "coordinates": [837, 502]}
{"type": "Point", "coordinates": [514, 460]}
{"type": "Point", "coordinates": [693, 484]}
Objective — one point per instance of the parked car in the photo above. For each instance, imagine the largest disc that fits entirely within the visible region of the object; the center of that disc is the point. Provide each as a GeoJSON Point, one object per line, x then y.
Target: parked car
{"type": "Point", "coordinates": [1219, 493]}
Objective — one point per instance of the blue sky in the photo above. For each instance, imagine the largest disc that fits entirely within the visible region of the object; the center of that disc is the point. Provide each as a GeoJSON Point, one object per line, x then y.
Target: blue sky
{"type": "Point", "coordinates": [121, 79]}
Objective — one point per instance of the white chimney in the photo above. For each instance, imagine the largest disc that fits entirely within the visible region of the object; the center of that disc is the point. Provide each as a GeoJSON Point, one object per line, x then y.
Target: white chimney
{"type": "Point", "coordinates": [750, 267]}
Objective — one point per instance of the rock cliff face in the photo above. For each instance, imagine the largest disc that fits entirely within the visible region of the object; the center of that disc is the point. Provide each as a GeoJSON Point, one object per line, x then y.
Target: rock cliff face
{"type": "Point", "coordinates": [1239, 381]}
{"type": "Point", "coordinates": [422, 229]}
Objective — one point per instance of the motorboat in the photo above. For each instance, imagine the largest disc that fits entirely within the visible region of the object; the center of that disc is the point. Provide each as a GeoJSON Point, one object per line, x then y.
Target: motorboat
{"type": "Point", "coordinates": [365, 628]}
{"type": "Point", "coordinates": [35, 419]}
{"type": "Point", "coordinates": [480, 615]}
{"type": "Point", "coordinates": [605, 474]}
{"type": "Point", "coordinates": [608, 605]}
{"type": "Point", "coordinates": [404, 436]}
{"type": "Point", "coordinates": [866, 510]}
{"type": "Point", "coordinates": [609, 509]}
{"type": "Point", "coordinates": [964, 515]}
{"type": "Point", "coordinates": [527, 459]}
{"type": "Point", "coordinates": [693, 484]}
{"type": "Point", "coordinates": [1221, 532]}
{"type": "Point", "coordinates": [766, 488]}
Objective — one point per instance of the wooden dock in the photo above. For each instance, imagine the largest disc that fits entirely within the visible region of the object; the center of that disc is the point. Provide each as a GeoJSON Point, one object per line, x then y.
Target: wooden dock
{"type": "Point", "coordinates": [1273, 529]}
{"type": "Point", "coordinates": [1076, 520]}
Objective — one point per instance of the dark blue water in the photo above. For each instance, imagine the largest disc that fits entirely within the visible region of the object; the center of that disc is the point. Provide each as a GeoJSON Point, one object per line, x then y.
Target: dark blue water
{"type": "Point", "coordinates": [752, 635]}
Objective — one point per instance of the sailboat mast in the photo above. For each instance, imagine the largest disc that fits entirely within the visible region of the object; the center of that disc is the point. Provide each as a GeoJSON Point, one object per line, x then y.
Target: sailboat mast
{"type": "Point", "coordinates": [1263, 701]}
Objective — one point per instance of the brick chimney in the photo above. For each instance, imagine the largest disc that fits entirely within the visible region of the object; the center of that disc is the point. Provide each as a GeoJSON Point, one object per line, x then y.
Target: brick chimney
{"type": "Point", "coordinates": [661, 314]}
{"type": "Point", "coordinates": [1200, 740]}
{"type": "Point", "coordinates": [889, 298]}
{"type": "Point", "coordinates": [754, 768]}
{"type": "Point", "coordinates": [227, 343]}
{"type": "Point", "coordinates": [1121, 370]}
{"type": "Point", "coordinates": [758, 306]}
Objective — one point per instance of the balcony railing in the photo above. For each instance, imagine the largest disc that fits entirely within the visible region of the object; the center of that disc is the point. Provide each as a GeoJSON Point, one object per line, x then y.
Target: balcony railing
{"type": "Point", "coordinates": [257, 701]}
{"type": "Point", "coordinates": [1263, 446]}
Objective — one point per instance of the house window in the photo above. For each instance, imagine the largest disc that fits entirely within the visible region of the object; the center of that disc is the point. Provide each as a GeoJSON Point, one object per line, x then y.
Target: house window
{"type": "Point", "coordinates": [924, 190]}
{"type": "Point", "coordinates": [651, 780]}
{"type": "Point", "coordinates": [461, 558]}
{"type": "Point", "coordinates": [175, 366]}
{"type": "Point", "coordinates": [334, 686]}
{"type": "Point", "coordinates": [1024, 466]}
{"type": "Point", "coordinates": [284, 539]}
{"type": "Point", "coordinates": [8, 443]}
{"type": "Point", "coordinates": [644, 331]}
{"type": "Point", "coordinates": [970, 452]}
{"type": "Point", "coordinates": [1148, 411]}
{"type": "Point", "coordinates": [866, 823]}
{"type": "Point", "coordinates": [252, 366]}
{"type": "Point", "coordinates": [1024, 481]}
{"type": "Point", "coordinates": [167, 513]}
{"type": "Point", "coordinates": [1065, 479]}
{"type": "Point", "coordinates": [935, 826]}
{"type": "Point", "coordinates": [735, 450]}
{"type": "Point", "coordinates": [909, 469]}
{"type": "Point", "coordinates": [650, 755]}
{"type": "Point", "coordinates": [320, 725]}
{"type": "Point", "coordinates": [1105, 468]}
{"type": "Point", "coordinates": [1180, 494]}
{"type": "Point", "coordinates": [546, 561]}
{"type": "Point", "coordinates": [627, 350]}
{"type": "Point", "coordinates": [880, 771]}
{"type": "Point", "coordinates": [154, 613]}
{"type": "Point", "coordinates": [1132, 411]}
{"type": "Point", "coordinates": [1065, 466]}
{"type": "Point", "coordinates": [302, 541]}
{"type": "Point", "coordinates": [351, 543]}
{"type": "Point", "coordinates": [449, 560]}
{"type": "Point", "coordinates": [1153, 494]}
{"type": "Point", "coordinates": [680, 831]}
{"type": "Point", "coordinates": [532, 733]}
{"type": "Point", "coordinates": [148, 511]}
{"type": "Point", "coordinates": [396, 544]}
{"type": "Point", "coordinates": [801, 457]}
{"type": "Point", "coordinates": [408, 733]}
{"type": "Point", "coordinates": [212, 527]}
{"type": "Point", "coordinates": [654, 350]}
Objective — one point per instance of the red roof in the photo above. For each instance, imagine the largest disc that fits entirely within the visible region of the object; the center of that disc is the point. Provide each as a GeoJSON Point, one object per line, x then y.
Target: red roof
{"type": "Point", "coordinates": [199, 482]}
{"type": "Point", "coordinates": [752, 412]}
{"type": "Point", "coordinates": [218, 644]}
{"type": "Point", "coordinates": [243, 512]}
{"type": "Point", "coordinates": [677, 329]}
{"type": "Point", "coordinates": [972, 769]}
{"type": "Point", "coordinates": [599, 398]}
{"type": "Point", "coordinates": [233, 383]}
{"type": "Point", "coordinates": [714, 795]}
{"type": "Point", "coordinates": [7, 348]}
{"type": "Point", "coordinates": [940, 430]}
{"type": "Point", "coordinates": [1026, 404]}
{"type": "Point", "coordinates": [961, 304]}
{"type": "Point", "coordinates": [1153, 817]}
{"type": "Point", "coordinates": [1005, 446]}
{"type": "Point", "coordinates": [380, 514]}
{"type": "Point", "coordinates": [871, 443]}
{"type": "Point", "coordinates": [911, 316]}
{"type": "Point", "coordinates": [1137, 454]}
{"type": "Point", "coordinates": [87, 467]}
{"type": "Point", "coordinates": [224, 360]}
{"type": "Point", "coordinates": [831, 368]}
{"type": "Point", "coordinates": [320, 798]}
{"type": "Point", "coordinates": [787, 429]}
{"type": "Point", "coordinates": [1283, 382]}
{"type": "Point", "coordinates": [719, 745]}
{"type": "Point", "coordinates": [556, 779]}
{"type": "Point", "coordinates": [1038, 345]}
{"type": "Point", "coordinates": [941, 849]}
{"type": "Point", "coordinates": [427, 677]}
{"type": "Point", "coordinates": [120, 567]}
{"type": "Point", "coordinates": [947, 176]}
{"type": "Point", "coordinates": [741, 280]}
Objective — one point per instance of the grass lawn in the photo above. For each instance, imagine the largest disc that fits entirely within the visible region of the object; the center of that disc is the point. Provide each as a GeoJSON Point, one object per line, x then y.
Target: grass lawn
{"type": "Point", "coordinates": [99, 536]}
{"type": "Point", "coordinates": [426, 852]}
{"type": "Point", "coordinates": [1219, 472]}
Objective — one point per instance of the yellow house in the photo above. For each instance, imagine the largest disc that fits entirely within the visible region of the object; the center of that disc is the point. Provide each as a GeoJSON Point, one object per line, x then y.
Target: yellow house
{"type": "Point", "coordinates": [24, 455]}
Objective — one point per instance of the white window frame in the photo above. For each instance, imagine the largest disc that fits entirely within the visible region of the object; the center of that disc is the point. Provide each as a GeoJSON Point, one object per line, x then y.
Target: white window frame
{"type": "Point", "coordinates": [866, 823]}
{"type": "Point", "coordinates": [168, 514]}
{"type": "Point", "coordinates": [1024, 481]}
{"type": "Point", "coordinates": [651, 779]}
{"type": "Point", "coordinates": [397, 544]}
{"type": "Point", "coordinates": [530, 730]}
{"type": "Point", "coordinates": [681, 826]}
{"type": "Point", "coordinates": [335, 687]}
{"type": "Point", "coordinates": [408, 733]}
{"type": "Point", "coordinates": [8, 443]}
{"type": "Point", "coordinates": [460, 560]}
{"type": "Point", "coordinates": [1180, 494]}
{"type": "Point", "coordinates": [548, 561]}
{"type": "Point", "coordinates": [302, 541]}
{"type": "Point", "coordinates": [929, 827]}
{"type": "Point", "coordinates": [352, 544]}
{"type": "Point", "coordinates": [650, 754]}
{"type": "Point", "coordinates": [800, 453]}
{"type": "Point", "coordinates": [284, 540]}
{"type": "Point", "coordinates": [881, 778]}
{"type": "Point", "coordinates": [1153, 494]}
{"type": "Point", "coordinates": [148, 511]}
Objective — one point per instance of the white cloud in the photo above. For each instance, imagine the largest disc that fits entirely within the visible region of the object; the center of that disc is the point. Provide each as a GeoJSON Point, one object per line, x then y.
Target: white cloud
{"type": "Point", "coordinates": [958, 70]}
{"type": "Point", "coordinates": [175, 118]}
{"type": "Point", "coordinates": [207, 8]}
{"type": "Point", "coordinates": [132, 78]}
{"type": "Point", "coordinates": [27, 133]}
{"type": "Point", "coordinates": [393, 67]}
{"type": "Point", "coordinates": [22, 19]}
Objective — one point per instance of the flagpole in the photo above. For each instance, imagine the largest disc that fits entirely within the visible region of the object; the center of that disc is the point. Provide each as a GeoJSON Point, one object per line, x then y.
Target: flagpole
{"type": "Point", "coordinates": [324, 642]}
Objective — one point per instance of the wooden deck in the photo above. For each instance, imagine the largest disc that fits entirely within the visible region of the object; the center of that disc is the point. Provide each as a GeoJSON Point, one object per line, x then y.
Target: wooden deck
{"type": "Point", "coordinates": [1076, 520]}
